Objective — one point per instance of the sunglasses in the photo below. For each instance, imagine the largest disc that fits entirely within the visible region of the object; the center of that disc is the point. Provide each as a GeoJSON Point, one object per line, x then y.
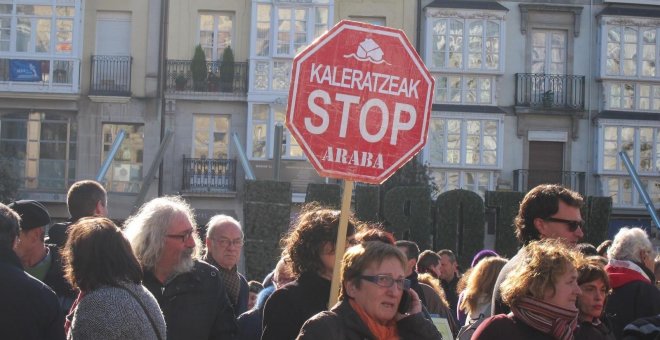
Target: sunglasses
{"type": "Point", "coordinates": [572, 225]}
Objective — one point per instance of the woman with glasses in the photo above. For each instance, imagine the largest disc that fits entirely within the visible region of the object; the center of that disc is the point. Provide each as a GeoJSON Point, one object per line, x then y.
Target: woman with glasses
{"type": "Point", "coordinates": [373, 283]}
{"type": "Point", "coordinates": [630, 270]}
{"type": "Point", "coordinates": [310, 245]}
{"type": "Point", "coordinates": [595, 287]}
{"type": "Point", "coordinates": [542, 292]}
{"type": "Point", "coordinates": [99, 261]}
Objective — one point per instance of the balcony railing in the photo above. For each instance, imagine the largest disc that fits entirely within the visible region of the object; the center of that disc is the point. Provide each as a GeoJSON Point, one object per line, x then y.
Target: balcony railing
{"type": "Point", "coordinates": [525, 179]}
{"type": "Point", "coordinates": [233, 82]}
{"type": "Point", "coordinates": [209, 175]}
{"type": "Point", "coordinates": [111, 75]}
{"type": "Point", "coordinates": [550, 91]}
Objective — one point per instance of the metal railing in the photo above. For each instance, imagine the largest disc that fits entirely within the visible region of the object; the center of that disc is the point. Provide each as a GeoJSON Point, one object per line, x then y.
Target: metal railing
{"type": "Point", "coordinates": [181, 81]}
{"type": "Point", "coordinates": [526, 179]}
{"type": "Point", "coordinates": [209, 175]}
{"type": "Point", "coordinates": [111, 75]}
{"type": "Point", "coordinates": [550, 91]}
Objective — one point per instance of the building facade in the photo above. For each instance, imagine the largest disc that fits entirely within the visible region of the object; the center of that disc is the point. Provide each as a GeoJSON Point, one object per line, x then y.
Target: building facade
{"type": "Point", "coordinates": [527, 92]}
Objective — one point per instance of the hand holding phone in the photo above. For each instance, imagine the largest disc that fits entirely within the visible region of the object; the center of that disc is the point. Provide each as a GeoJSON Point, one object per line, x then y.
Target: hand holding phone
{"type": "Point", "coordinates": [404, 304]}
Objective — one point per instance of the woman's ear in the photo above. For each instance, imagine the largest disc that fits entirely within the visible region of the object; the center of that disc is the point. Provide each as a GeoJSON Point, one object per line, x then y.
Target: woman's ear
{"type": "Point", "coordinates": [350, 288]}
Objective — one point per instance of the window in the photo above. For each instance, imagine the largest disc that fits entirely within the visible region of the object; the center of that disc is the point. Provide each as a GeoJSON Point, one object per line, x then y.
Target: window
{"type": "Point", "coordinates": [465, 44]}
{"type": "Point", "coordinates": [125, 173]}
{"type": "Point", "coordinates": [477, 181]}
{"type": "Point", "coordinates": [215, 33]}
{"type": "Point", "coordinates": [642, 144]}
{"type": "Point", "coordinates": [631, 51]}
{"type": "Point", "coordinates": [633, 96]}
{"type": "Point", "coordinates": [461, 142]}
{"type": "Point", "coordinates": [263, 118]}
{"type": "Point", "coordinates": [37, 46]}
{"type": "Point", "coordinates": [463, 89]}
{"type": "Point", "coordinates": [42, 147]}
{"type": "Point", "coordinates": [625, 195]}
{"type": "Point", "coordinates": [211, 137]}
{"type": "Point", "coordinates": [283, 29]}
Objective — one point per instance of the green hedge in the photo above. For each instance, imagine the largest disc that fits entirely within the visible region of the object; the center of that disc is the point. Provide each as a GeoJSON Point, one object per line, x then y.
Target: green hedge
{"type": "Point", "coordinates": [459, 224]}
{"type": "Point", "coordinates": [266, 210]}
{"type": "Point", "coordinates": [327, 195]}
{"type": "Point", "coordinates": [367, 203]}
{"type": "Point", "coordinates": [407, 211]}
{"type": "Point", "coordinates": [596, 212]}
{"type": "Point", "coordinates": [506, 204]}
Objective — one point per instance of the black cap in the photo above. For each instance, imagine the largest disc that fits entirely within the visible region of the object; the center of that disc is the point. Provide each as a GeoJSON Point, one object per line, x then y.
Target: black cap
{"type": "Point", "coordinates": [33, 214]}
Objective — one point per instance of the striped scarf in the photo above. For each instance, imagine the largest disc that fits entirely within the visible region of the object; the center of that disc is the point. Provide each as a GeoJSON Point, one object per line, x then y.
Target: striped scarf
{"type": "Point", "coordinates": [547, 318]}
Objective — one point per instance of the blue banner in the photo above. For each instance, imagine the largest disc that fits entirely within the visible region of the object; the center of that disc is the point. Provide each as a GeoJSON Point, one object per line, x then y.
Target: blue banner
{"type": "Point", "coordinates": [25, 70]}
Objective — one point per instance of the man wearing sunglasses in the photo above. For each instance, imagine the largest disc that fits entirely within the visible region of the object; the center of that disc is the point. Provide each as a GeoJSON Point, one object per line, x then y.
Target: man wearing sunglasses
{"type": "Point", "coordinates": [547, 211]}
{"type": "Point", "coordinates": [224, 241]}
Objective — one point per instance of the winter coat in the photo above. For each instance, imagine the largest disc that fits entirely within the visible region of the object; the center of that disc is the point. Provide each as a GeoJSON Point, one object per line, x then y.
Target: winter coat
{"type": "Point", "coordinates": [249, 323]}
{"type": "Point", "coordinates": [343, 323]}
{"type": "Point", "coordinates": [508, 327]}
{"type": "Point", "coordinates": [633, 297]}
{"type": "Point", "coordinates": [243, 293]}
{"type": "Point", "coordinates": [113, 313]}
{"type": "Point", "coordinates": [195, 304]}
{"type": "Point", "coordinates": [56, 281]}
{"type": "Point", "coordinates": [28, 308]}
{"type": "Point", "coordinates": [57, 233]}
{"type": "Point", "coordinates": [289, 307]}
{"type": "Point", "coordinates": [588, 331]}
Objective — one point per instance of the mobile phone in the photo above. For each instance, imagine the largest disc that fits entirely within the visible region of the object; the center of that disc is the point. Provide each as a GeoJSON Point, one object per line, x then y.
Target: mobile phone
{"type": "Point", "coordinates": [404, 304]}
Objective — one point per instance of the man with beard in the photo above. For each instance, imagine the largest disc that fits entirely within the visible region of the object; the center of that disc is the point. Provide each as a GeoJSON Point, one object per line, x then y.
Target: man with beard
{"type": "Point", "coordinates": [190, 293]}
{"type": "Point", "coordinates": [224, 241]}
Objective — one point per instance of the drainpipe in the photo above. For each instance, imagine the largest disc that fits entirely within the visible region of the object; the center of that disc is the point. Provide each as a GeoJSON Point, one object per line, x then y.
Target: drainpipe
{"type": "Point", "coordinates": [162, 79]}
{"type": "Point", "coordinates": [418, 35]}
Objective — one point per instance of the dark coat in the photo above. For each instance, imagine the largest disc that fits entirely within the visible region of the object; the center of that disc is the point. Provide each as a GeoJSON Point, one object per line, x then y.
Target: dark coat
{"type": "Point", "coordinates": [243, 293]}
{"type": "Point", "coordinates": [450, 292]}
{"type": "Point", "coordinates": [195, 304]}
{"type": "Point", "coordinates": [508, 327]}
{"type": "Point", "coordinates": [249, 323]}
{"type": "Point", "coordinates": [589, 331]}
{"type": "Point", "coordinates": [343, 323]}
{"type": "Point", "coordinates": [57, 233]}
{"type": "Point", "coordinates": [630, 300]}
{"type": "Point", "coordinates": [643, 329]}
{"type": "Point", "coordinates": [290, 306]}
{"type": "Point", "coordinates": [28, 308]}
{"type": "Point", "coordinates": [55, 280]}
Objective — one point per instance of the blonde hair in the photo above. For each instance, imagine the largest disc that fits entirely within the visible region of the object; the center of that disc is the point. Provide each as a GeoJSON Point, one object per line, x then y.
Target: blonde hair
{"type": "Point", "coordinates": [544, 262]}
{"type": "Point", "coordinates": [435, 284]}
{"type": "Point", "coordinates": [481, 282]}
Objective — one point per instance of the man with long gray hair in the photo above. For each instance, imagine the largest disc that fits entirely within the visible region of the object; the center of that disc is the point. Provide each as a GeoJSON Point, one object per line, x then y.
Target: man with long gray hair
{"type": "Point", "coordinates": [190, 293]}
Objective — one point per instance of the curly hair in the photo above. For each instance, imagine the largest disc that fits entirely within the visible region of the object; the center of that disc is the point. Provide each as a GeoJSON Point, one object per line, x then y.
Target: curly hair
{"type": "Point", "coordinates": [480, 282]}
{"type": "Point", "coordinates": [314, 227]}
{"type": "Point", "coordinates": [542, 202]}
{"type": "Point", "coordinates": [545, 261]}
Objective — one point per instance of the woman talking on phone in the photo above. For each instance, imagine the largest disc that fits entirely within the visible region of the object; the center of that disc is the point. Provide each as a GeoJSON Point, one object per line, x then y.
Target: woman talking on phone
{"type": "Point", "coordinates": [370, 302]}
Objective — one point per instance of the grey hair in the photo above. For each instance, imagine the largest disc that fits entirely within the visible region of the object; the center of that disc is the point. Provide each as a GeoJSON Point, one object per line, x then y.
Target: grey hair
{"type": "Point", "coordinates": [146, 230]}
{"type": "Point", "coordinates": [627, 244]}
{"type": "Point", "coordinates": [219, 220]}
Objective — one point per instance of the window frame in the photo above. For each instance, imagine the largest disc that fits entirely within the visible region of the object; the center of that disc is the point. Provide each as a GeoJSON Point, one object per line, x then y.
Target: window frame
{"type": "Point", "coordinates": [215, 33]}
{"type": "Point", "coordinates": [271, 120]}
{"type": "Point", "coordinates": [635, 197]}
{"type": "Point", "coordinates": [211, 130]}
{"type": "Point", "coordinates": [636, 96]}
{"type": "Point", "coordinates": [636, 125]}
{"type": "Point", "coordinates": [641, 27]}
{"type": "Point", "coordinates": [493, 175]}
{"type": "Point", "coordinates": [464, 88]}
{"type": "Point", "coordinates": [464, 118]}
{"type": "Point", "coordinates": [465, 50]}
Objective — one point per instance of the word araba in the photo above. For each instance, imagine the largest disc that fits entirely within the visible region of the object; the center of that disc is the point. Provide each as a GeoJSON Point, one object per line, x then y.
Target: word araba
{"type": "Point", "coordinates": [363, 159]}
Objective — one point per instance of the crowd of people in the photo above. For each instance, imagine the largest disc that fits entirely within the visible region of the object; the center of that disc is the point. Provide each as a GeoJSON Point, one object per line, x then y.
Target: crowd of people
{"type": "Point", "coordinates": [158, 277]}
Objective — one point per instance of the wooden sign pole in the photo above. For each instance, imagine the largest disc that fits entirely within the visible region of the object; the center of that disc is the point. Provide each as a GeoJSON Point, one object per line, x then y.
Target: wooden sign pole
{"type": "Point", "coordinates": [340, 245]}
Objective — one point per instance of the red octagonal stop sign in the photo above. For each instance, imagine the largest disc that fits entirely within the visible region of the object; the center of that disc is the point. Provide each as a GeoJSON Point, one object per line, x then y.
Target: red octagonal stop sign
{"type": "Point", "coordinates": [359, 102]}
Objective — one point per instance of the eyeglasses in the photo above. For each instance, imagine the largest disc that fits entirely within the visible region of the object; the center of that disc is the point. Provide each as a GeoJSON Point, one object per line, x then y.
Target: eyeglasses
{"type": "Point", "coordinates": [225, 242]}
{"type": "Point", "coordinates": [386, 281]}
{"type": "Point", "coordinates": [183, 237]}
{"type": "Point", "coordinates": [572, 225]}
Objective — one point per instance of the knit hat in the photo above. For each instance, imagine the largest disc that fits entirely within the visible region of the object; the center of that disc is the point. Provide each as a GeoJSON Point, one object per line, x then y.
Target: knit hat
{"type": "Point", "coordinates": [482, 255]}
{"type": "Point", "coordinates": [33, 214]}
